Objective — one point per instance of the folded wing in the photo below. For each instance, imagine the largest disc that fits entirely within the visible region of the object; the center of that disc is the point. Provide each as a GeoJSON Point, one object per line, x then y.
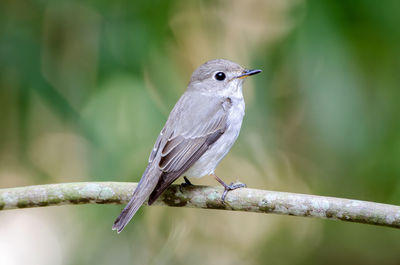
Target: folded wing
{"type": "Point", "coordinates": [189, 136]}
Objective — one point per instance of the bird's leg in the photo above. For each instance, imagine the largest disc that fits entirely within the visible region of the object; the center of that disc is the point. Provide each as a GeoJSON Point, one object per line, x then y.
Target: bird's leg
{"type": "Point", "coordinates": [232, 186]}
{"type": "Point", "coordinates": [186, 183]}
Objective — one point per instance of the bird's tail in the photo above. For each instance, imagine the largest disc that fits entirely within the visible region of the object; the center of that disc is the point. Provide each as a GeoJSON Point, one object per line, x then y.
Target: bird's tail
{"type": "Point", "coordinates": [145, 187]}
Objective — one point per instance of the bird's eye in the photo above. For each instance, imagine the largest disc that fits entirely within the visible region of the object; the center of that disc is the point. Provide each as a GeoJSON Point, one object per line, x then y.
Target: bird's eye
{"type": "Point", "coordinates": [220, 76]}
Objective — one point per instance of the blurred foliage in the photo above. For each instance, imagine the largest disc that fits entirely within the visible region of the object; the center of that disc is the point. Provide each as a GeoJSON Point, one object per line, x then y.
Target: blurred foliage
{"type": "Point", "coordinates": [85, 87]}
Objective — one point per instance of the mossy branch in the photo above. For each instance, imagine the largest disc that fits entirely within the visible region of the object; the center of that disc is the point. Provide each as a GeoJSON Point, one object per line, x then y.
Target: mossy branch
{"type": "Point", "coordinates": [247, 200]}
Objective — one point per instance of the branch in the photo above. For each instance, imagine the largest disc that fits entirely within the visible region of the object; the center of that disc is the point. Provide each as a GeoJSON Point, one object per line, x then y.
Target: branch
{"type": "Point", "coordinates": [247, 200]}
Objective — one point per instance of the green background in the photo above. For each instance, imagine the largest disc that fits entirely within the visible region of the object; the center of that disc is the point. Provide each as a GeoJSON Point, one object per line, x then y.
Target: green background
{"type": "Point", "coordinates": [86, 86]}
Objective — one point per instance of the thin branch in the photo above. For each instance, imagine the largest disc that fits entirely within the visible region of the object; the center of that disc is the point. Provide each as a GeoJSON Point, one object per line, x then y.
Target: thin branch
{"type": "Point", "coordinates": [247, 200]}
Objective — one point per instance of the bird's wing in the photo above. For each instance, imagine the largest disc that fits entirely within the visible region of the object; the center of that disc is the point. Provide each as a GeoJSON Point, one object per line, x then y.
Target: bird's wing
{"type": "Point", "coordinates": [193, 126]}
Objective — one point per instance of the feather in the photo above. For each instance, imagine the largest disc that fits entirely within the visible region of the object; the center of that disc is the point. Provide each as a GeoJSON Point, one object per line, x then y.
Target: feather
{"type": "Point", "coordinates": [186, 136]}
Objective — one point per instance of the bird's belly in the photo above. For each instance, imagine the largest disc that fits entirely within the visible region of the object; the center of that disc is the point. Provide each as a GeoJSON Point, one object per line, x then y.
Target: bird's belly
{"type": "Point", "coordinates": [207, 163]}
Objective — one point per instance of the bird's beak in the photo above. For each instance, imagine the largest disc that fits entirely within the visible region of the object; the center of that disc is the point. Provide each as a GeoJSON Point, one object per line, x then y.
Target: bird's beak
{"type": "Point", "coordinates": [247, 73]}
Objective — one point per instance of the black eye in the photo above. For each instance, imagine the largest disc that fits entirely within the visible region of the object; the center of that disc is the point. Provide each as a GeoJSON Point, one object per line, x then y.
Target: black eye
{"type": "Point", "coordinates": [220, 76]}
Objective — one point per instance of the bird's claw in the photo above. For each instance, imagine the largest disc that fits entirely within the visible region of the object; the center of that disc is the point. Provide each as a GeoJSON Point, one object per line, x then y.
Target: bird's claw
{"type": "Point", "coordinates": [232, 186]}
{"type": "Point", "coordinates": [187, 183]}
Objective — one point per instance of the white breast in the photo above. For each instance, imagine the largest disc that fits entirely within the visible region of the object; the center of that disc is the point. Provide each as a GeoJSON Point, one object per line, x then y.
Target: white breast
{"type": "Point", "coordinates": [211, 158]}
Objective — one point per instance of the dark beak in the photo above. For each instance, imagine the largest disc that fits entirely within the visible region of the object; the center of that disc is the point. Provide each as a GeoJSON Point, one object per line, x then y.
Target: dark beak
{"type": "Point", "coordinates": [247, 73]}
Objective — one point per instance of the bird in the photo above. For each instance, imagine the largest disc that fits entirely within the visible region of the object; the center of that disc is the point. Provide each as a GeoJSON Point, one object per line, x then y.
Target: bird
{"type": "Point", "coordinates": [199, 132]}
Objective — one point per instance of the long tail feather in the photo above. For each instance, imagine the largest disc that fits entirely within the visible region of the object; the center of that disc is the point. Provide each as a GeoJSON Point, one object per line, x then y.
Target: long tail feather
{"type": "Point", "coordinates": [145, 187]}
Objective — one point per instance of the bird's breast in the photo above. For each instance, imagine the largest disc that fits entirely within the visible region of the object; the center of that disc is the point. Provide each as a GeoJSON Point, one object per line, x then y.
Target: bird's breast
{"type": "Point", "coordinates": [211, 158]}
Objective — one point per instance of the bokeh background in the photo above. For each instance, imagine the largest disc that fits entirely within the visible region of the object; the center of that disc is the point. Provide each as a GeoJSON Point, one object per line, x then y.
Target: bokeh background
{"type": "Point", "coordinates": [86, 86]}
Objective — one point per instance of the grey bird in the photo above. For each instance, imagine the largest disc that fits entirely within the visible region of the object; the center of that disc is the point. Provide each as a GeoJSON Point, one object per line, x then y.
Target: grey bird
{"type": "Point", "coordinates": [199, 132]}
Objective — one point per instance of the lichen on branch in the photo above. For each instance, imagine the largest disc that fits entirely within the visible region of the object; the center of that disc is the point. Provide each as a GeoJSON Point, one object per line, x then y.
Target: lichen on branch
{"type": "Point", "coordinates": [246, 200]}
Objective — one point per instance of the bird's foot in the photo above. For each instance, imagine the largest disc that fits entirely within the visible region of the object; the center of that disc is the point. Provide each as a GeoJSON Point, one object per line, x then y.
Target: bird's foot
{"type": "Point", "coordinates": [232, 186]}
{"type": "Point", "coordinates": [228, 188]}
{"type": "Point", "coordinates": [187, 183]}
